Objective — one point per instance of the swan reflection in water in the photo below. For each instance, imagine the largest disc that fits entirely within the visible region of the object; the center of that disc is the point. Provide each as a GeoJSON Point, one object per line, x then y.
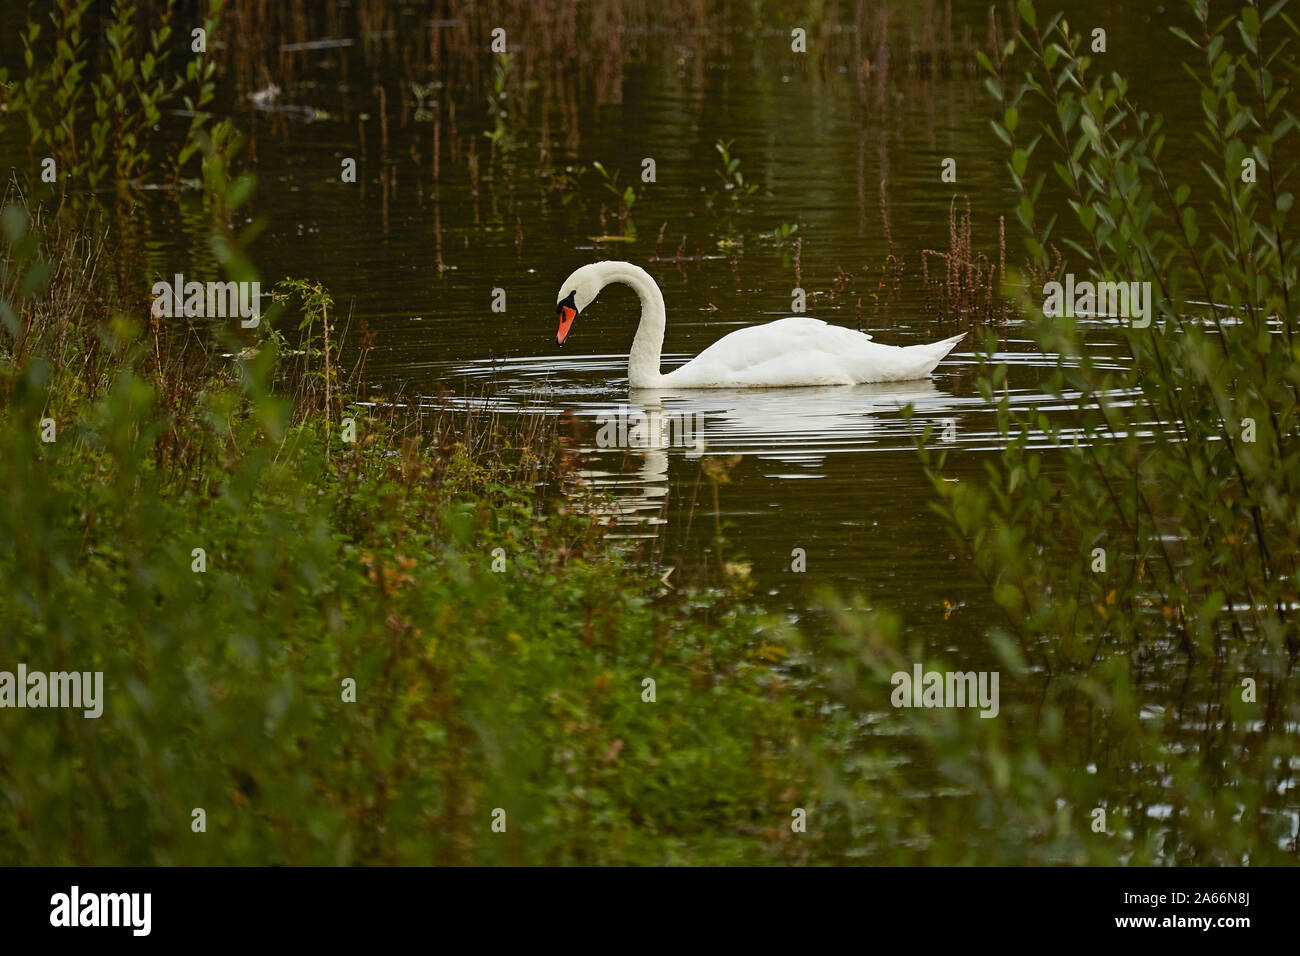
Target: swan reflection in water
{"type": "Point", "coordinates": [797, 426]}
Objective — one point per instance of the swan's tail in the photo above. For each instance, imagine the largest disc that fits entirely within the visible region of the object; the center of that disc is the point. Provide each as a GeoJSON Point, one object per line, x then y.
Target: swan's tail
{"type": "Point", "coordinates": [936, 352]}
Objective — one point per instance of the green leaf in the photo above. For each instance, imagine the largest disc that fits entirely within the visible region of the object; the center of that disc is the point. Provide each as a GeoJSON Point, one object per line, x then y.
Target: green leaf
{"type": "Point", "coordinates": [239, 191]}
{"type": "Point", "coordinates": [1250, 22]}
{"type": "Point", "coordinates": [1251, 42]}
{"type": "Point", "coordinates": [1027, 12]}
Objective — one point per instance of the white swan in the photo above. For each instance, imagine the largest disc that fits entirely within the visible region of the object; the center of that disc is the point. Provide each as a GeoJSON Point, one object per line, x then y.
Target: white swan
{"type": "Point", "coordinates": [787, 352]}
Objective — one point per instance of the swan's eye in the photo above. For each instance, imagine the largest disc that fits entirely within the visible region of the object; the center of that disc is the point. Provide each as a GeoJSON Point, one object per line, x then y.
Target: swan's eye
{"type": "Point", "coordinates": [567, 302]}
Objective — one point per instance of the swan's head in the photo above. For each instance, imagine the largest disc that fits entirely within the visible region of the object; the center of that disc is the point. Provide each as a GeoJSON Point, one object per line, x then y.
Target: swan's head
{"type": "Point", "coordinates": [576, 294]}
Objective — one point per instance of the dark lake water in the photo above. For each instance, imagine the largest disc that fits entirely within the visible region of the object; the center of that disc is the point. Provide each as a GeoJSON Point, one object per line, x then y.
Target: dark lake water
{"type": "Point", "coordinates": [415, 250]}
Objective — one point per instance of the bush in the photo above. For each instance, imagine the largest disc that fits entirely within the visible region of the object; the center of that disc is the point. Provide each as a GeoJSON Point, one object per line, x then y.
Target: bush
{"type": "Point", "coordinates": [1146, 564]}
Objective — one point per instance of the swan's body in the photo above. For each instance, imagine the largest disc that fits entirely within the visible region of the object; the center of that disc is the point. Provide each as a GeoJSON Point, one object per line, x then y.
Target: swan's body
{"type": "Point", "coordinates": [787, 352]}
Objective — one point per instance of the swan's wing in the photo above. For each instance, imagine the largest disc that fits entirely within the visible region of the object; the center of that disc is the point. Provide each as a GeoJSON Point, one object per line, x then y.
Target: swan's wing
{"type": "Point", "coordinates": [760, 343]}
{"type": "Point", "coordinates": [803, 326]}
{"type": "Point", "coordinates": [804, 351]}
{"type": "Point", "coordinates": [797, 350]}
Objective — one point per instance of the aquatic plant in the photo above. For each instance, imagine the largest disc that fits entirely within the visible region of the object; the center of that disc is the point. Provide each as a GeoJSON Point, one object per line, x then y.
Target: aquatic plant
{"type": "Point", "coordinates": [625, 196]}
{"type": "Point", "coordinates": [970, 288]}
{"type": "Point", "coordinates": [498, 109]}
{"type": "Point", "coordinates": [732, 189]}
{"type": "Point", "coordinates": [86, 127]}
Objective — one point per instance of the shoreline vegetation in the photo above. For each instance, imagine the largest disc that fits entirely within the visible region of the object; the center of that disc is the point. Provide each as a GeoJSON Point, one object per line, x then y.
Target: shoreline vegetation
{"type": "Point", "coordinates": [496, 646]}
{"type": "Point", "coordinates": [334, 632]}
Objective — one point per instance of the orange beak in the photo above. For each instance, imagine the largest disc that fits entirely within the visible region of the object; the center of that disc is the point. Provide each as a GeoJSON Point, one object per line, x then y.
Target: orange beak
{"type": "Point", "coordinates": [567, 315]}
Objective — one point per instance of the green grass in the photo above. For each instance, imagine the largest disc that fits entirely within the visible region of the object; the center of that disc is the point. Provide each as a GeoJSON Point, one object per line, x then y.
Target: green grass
{"type": "Point", "coordinates": [475, 689]}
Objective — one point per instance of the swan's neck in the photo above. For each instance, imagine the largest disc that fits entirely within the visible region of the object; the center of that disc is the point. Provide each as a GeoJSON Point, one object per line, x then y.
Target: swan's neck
{"type": "Point", "coordinates": [643, 360]}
